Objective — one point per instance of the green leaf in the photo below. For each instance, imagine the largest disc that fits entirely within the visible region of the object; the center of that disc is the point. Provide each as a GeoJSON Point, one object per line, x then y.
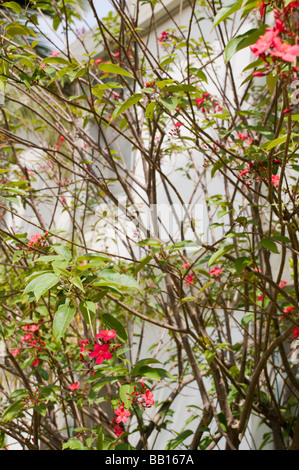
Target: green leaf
{"type": "Point", "coordinates": [199, 74]}
{"type": "Point", "coordinates": [113, 324]}
{"type": "Point", "coordinates": [169, 103]}
{"type": "Point", "coordinates": [146, 371]}
{"type": "Point", "coordinates": [16, 29]}
{"type": "Point", "coordinates": [124, 393]}
{"type": "Point", "coordinates": [143, 263]}
{"type": "Point", "coordinates": [205, 287]}
{"type": "Point", "coordinates": [276, 142]}
{"type": "Point", "coordinates": [13, 6]}
{"type": "Point", "coordinates": [143, 362]}
{"type": "Point", "coordinates": [127, 104]}
{"type": "Point", "coordinates": [179, 88]}
{"type": "Point", "coordinates": [243, 40]}
{"type": "Point", "coordinates": [241, 263]}
{"type": "Point", "coordinates": [150, 109]}
{"type": "Point", "coordinates": [62, 319]}
{"type": "Point", "coordinates": [149, 242]}
{"type": "Point", "coordinates": [112, 68]}
{"type": "Point", "coordinates": [226, 11]}
{"type": "Point", "coordinates": [77, 282]}
{"type": "Point", "coordinates": [271, 81]}
{"type": "Point", "coordinates": [41, 409]}
{"type": "Point", "coordinates": [248, 317]}
{"type": "Point", "coordinates": [57, 60]}
{"type": "Point", "coordinates": [210, 355]}
{"type": "Point", "coordinates": [12, 411]}
{"type": "Point", "coordinates": [181, 245]}
{"type": "Point", "coordinates": [269, 245]}
{"type": "Point", "coordinates": [41, 284]}
{"type": "Point", "coordinates": [173, 443]}
{"type": "Point", "coordinates": [105, 380]}
{"type": "Point", "coordinates": [100, 439]}
{"type": "Point", "coordinates": [73, 444]}
{"type": "Point", "coordinates": [63, 251]}
{"type": "Point", "coordinates": [88, 310]}
{"type": "Point", "coordinates": [219, 253]}
{"type": "Point", "coordinates": [109, 277]}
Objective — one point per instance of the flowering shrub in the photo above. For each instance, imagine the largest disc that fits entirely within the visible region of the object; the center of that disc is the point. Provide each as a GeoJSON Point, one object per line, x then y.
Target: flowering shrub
{"type": "Point", "coordinates": [148, 228]}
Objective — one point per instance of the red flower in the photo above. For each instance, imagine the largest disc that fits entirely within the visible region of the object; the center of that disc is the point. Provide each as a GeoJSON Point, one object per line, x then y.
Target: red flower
{"type": "Point", "coordinates": [275, 180]}
{"type": "Point", "coordinates": [186, 265]}
{"type": "Point", "coordinates": [106, 335]}
{"type": "Point", "coordinates": [60, 140]}
{"type": "Point", "coordinates": [74, 386]}
{"type": "Point", "coordinates": [282, 284]}
{"type": "Point", "coordinates": [243, 172]}
{"type": "Point", "coordinates": [264, 42]}
{"type": "Point", "coordinates": [122, 414]}
{"type": "Point", "coordinates": [189, 279]}
{"type": "Point", "coordinates": [260, 297]}
{"type": "Point", "coordinates": [15, 352]}
{"type": "Point", "coordinates": [261, 8]}
{"type": "Point", "coordinates": [26, 337]}
{"type": "Point", "coordinates": [148, 397]}
{"type": "Point", "coordinates": [35, 238]}
{"type": "Point", "coordinates": [199, 101]}
{"type": "Point", "coordinates": [285, 51]}
{"type": "Point", "coordinates": [31, 328]}
{"type": "Point", "coordinates": [118, 430]}
{"type": "Point", "coordinates": [101, 353]}
{"type": "Point", "coordinates": [295, 332]}
{"type": "Point", "coordinates": [164, 36]}
{"type": "Point", "coordinates": [54, 53]}
{"type": "Point", "coordinates": [288, 310]}
{"type": "Point", "coordinates": [35, 362]}
{"type": "Point", "coordinates": [216, 271]}
{"type": "Point", "coordinates": [242, 136]}
{"type": "Point", "coordinates": [82, 345]}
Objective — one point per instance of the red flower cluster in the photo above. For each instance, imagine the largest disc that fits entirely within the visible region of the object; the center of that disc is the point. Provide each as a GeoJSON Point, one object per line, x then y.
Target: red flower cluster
{"type": "Point", "coordinates": [216, 271]}
{"type": "Point", "coordinates": [279, 44]}
{"type": "Point", "coordinates": [295, 332]}
{"type": "Point", "coordinates": [288, 310]}
{"type": "Point", "coordinates": [104, 351]}
{"type": "Point", "coordinates": [206, 100]}
{"type": "Point", "coordinates": [142, 396]}
{"type": "Point", "coordinates": [122, 414]}
{"type": "Point", "coordinates": [74, 386]}
{"type": "Point", "coordinates": [275, 180]}
{"type": "Point", "coordinates": [258, 170]}
{"type": "Point", "coordinates": [189, 279]}
{"type": "Point", "coordinates": [101, 353]}
{"type": "Point", "coordinates": [106, 335]}
{"type": "Point", "coordinates": [31, 399]}
{"type": "Point", "coordinates": [60, 141]}
{"type": "Point", "coordinates": [37, 240]}
{"type": "Point", "coordinates": [163, 37]}
{"type": "Point", "coordinates": [245, 137]}
{"type": "Point", "coordinates": [117, 429]}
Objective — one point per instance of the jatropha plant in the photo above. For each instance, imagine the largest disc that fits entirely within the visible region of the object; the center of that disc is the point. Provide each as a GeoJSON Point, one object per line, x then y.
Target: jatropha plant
{"type": "Point", "coordinates": [149, 226]}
